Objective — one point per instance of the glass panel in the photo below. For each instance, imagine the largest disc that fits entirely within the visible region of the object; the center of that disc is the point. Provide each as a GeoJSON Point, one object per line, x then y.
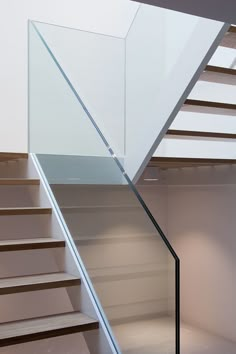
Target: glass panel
{"type": "Point", "coordinates": [94, 64]}
{"type": "Point", "coordinates": [132, 267]}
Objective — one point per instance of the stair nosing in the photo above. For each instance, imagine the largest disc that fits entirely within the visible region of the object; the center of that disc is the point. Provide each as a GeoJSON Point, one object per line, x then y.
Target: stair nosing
{"type": "Point", "coordinates": [55, 331]}
{"type": "Point", "coordinates": [204, 134]}
{"type": "Point", "coordinates": [42, 284]}
{"type": "Point", "coordinates": [220, 70]}
{"type": "Point", "coordinates": [19, 181]}
{"type": "Point", "coordinates": [192, 159]}
{"type": "Point", "coordinates": [210, 104]}
{"type": "Point", "coordinates": [25, 211]}
{"type": "Point", "coordinates": [30, 244]}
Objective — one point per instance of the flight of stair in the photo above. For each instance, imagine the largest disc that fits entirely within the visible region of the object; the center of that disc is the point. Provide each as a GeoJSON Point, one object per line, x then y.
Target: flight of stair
{"type": "Point", "coordinates": [24, 271]}
{"type": "Point", "coordinates": [212, 74]}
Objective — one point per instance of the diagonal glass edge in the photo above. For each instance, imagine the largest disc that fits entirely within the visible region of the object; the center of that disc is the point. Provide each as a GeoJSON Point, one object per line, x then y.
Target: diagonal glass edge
{"type": "Point", "coordinates": [112, 153]}
{"type": "Point", "coordinates": [80, 30]}
{"type": "Point", "coordinates": [131, 185]}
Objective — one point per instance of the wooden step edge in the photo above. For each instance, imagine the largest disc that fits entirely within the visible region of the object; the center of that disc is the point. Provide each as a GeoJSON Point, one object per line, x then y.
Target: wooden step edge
{"type": "Point", "coordinates": [19, 181]}
{"type": "Point", "coordinates": [30, 330]}
{"type": "Point", "coordinates": [156, 159]}
{"type": "Point", "coordinates": [232, 29]}
{"type": "Point", "coordinates": [37, 283]}
{"type": "Point", "coordinates": [210, 104]}
{"type": "Point", "coordinates": [191, 133]}
{"type": "Point", "coordinates": [12, 156]}
{"type": "Point", "coordinates": [25, 211]}
{"type": "Point", "coordinates": [30, 244]}
{"type": "Point", "coordinates": [220, 70]}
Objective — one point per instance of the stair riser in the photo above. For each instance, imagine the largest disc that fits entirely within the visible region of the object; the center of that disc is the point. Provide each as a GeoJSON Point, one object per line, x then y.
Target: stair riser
{"type": "Point", "coordinates": [18, 196]}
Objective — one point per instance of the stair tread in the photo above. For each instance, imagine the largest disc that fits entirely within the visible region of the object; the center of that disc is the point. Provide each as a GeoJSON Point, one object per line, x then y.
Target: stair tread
{"type": "Point", "coordinates": [191, 159]}
{"type": "Point", "coordinates": [45, 327]}
{"type": "Point", "coordinates": [19, 181]}
{"type": "Point", "coordinates": [35, 243]}
{"type": "Point", "coordinates": [7, 156]}
{"type": "Point", "coordinates": [36, 282]}
{"type": "Point", "coordinates": [220, 70]}
{"type": "Point", "coordinates": [177, 162]}
{"type": "Point", "coordinates": [25, 210]}
{"type": "Point", "coordinates": [210, 104]}
{"type": "Point", "coordinates": [203, 134]}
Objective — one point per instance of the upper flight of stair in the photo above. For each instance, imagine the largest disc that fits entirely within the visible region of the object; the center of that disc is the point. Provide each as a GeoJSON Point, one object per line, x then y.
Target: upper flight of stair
{"type": "Point", "coordinates": [205, 123]}
{"type": "Point", "coordinates": [30, 263]}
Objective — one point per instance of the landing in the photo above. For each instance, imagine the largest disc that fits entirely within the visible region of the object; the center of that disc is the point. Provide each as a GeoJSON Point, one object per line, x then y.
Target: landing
{"type": "Point", "coordinates": [148, 335]}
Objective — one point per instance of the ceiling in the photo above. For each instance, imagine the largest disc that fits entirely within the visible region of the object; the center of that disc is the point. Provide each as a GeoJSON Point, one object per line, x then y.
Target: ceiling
{"type": "Point", "coordinates": [220, 10]}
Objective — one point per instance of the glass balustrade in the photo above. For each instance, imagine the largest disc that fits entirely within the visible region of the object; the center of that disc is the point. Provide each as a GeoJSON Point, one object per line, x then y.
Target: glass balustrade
{"type": "Point", "coordinates": [132, 269]}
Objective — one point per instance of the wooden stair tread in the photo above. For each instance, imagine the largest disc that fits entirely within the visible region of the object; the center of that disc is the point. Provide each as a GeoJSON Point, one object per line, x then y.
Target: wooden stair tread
{"type": "Point", "coordinates": [232, 29]}
{"type": "Point", "coordinates": [45, 327]}
{"type": "Point", "coordinates": [25, 211]}
{"type": "Point", "coordinates": [7, 156]}
{"type": "Point", "coordinates": [177, 162]}
{"type": "Point", "coordinates": [37, 282]}
{"type": "Point", "coordinates": [210, 104]}
{"type": "Point", "coordinates": [220, 70]}
{"type": "Point", "coordinates": [19, 181]}
{"type": "Point", "coordinates": [202, 134]}
{"type": "Point", "coordinates": [29, 244]}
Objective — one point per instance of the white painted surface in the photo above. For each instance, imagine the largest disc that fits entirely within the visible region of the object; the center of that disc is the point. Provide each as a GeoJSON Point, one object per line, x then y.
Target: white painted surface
{"type": "Point", "coordinates": [198, 148]}
{"type": "Point", "coordinates": [213, 92]}
{"type": "Point", "coordinates": [204, 122]}
{"type": "Point", "coordinates": [224, 57]}
{"type": "Point", "coordinates": [111, 17]}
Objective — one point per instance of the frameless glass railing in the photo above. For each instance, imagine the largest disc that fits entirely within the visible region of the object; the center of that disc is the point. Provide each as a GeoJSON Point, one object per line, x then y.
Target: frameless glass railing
{"type": "Point", "coordinates": [132, 270]}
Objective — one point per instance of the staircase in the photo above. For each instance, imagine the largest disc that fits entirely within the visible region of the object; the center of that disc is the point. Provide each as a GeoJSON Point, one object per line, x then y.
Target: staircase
{"type": "Point", "coordinates": [30, 262]}
{"type": "Point", "coordinates": [168, 155]}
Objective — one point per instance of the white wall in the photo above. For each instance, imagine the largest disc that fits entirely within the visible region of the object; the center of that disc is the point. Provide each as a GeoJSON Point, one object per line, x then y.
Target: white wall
{"type": "Point", "coordinates": [201, 228]}
{"type": "Point", "coordinates": [106, 16]}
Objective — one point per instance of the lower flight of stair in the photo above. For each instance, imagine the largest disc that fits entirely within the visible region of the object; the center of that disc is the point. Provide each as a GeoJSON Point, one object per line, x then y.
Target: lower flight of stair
{"type": "Point", "coordinates": [32, 329]}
